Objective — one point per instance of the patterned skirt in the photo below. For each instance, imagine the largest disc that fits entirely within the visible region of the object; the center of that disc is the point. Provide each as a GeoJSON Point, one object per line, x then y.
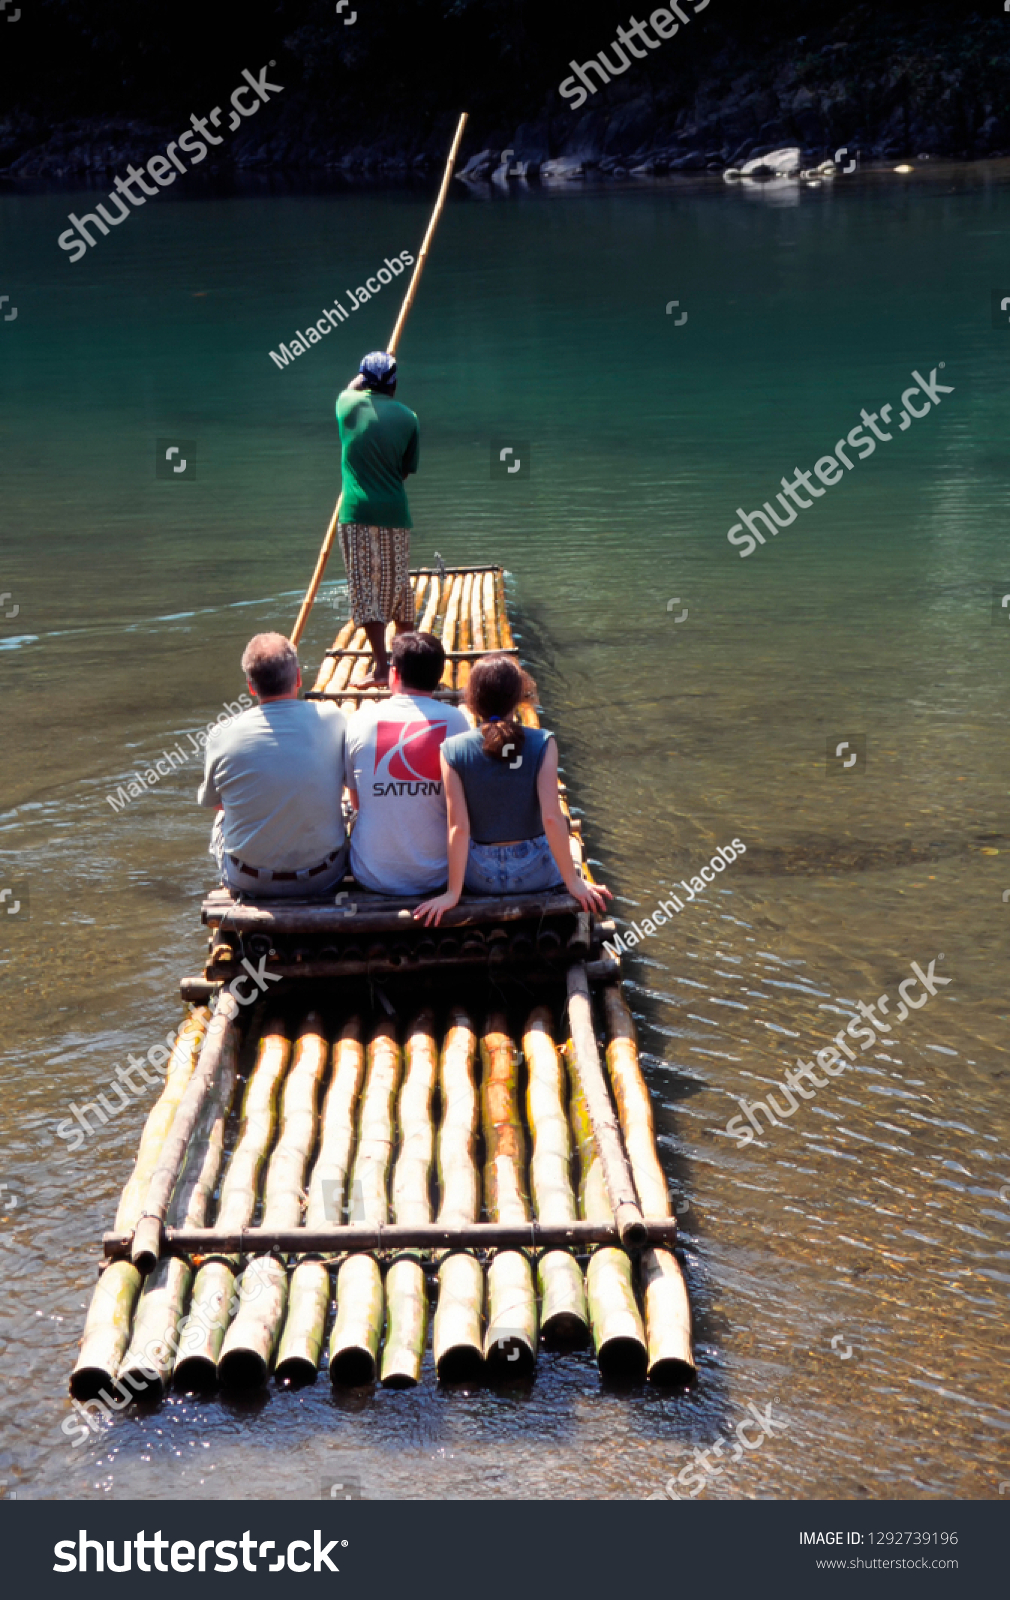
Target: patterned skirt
{"type": "Point", "coordinates": [378, 573]}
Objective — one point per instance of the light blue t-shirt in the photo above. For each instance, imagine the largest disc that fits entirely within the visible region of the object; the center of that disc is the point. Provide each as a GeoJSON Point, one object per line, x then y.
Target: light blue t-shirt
{"type": "Point", "coordinates": [278, 770]}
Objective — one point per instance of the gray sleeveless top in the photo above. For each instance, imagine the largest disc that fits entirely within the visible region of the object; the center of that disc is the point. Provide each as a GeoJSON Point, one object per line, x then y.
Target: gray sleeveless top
{"type": "Point", "coordinates": [501, 799]}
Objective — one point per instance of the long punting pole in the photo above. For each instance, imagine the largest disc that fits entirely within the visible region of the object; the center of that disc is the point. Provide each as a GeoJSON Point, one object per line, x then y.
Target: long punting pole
{"type": "Point", "coordinates": [614, 1162]}
{"type": "Point", "coordinates": [394, 339]}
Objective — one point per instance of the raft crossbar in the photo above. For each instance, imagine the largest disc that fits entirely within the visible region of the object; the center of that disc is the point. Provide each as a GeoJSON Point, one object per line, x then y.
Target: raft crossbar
{"type": "Point", "coordinates": [299, 916]}
{"type": "Point", "coordinates": [450, 655]}
{"type": "Point", "coordinates": [358, 1236]}
{"type": "Point", "coordinates": [451, 697]}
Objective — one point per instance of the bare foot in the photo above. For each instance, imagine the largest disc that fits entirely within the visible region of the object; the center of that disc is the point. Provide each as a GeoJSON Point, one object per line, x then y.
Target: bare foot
{"type": "Point", "coordinates": [374, 681]}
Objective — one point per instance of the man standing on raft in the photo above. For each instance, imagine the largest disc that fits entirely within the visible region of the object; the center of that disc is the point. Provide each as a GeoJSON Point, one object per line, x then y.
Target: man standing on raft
{"type": "Point", "coordinates": [380, 444]}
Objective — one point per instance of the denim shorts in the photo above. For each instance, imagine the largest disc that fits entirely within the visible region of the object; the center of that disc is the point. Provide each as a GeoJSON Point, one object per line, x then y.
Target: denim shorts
{"type": "Point", "coordinates": [511, 868]}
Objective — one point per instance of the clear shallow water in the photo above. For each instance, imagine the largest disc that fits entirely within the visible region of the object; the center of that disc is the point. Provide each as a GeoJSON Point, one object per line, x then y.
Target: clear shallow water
{"type": "Point", "coordinates": [873, 1217]}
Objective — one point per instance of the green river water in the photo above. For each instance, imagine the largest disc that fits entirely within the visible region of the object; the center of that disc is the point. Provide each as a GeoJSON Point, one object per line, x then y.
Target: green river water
{"type": "Point", "coordinates": [851, 1267]}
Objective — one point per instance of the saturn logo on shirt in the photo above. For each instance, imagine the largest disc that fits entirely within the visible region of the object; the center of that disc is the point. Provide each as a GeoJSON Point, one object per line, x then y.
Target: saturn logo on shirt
{"type": "Point", "coordinates": [408, 753]}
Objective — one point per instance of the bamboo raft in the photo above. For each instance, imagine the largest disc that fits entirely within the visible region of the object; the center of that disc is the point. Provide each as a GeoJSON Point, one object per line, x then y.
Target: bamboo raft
{"type": "Point", "coordinates": [412, 1140]}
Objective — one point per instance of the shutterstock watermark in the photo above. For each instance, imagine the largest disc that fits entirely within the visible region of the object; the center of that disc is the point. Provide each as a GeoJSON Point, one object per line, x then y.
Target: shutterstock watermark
{"type": "Point", "coordinates": [190, 1335]}
{"type": "Point", "coordinates": [827, 468]}
{"type": "Point", "coordinates": [76, 1129]}
{"type": "Point", "coordinates": [167, 762]}
{"type": "Point", "coordinates": [163, 169]}
{"type": "Point", "coordinates": [628, 40]}
{"type": "Point", "coordinates": [832, 1058]}
{"type": "Point", "coordinates": [328, 320]}
{"type": "Point", "coordinates": [725, 855]}
{"type": "Point", "coordinates": [739, 1438]}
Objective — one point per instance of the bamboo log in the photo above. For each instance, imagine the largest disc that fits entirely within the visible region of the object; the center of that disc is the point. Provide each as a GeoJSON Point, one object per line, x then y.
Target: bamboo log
{"type": "Point", "coordinates": [302, 1339]}
{"type": "Point", "coordinates": [505, 638]}
{"type": "Point", "coordinates": [563, 1315]}
{"type": "Point", "coordinates": [489, 620]}
{"type": "Point", "coordinates": [147, 1236]}
{"type": "Point", "coordinates": [354, 1345]}
{"type": "Point", "coordinates": [214, 1288]}
{"type": "Point", "coordinates": [449, 629]}
{"type": "Point", "coordinates": [464, 633]}
{"type": "Point", "coordinates": [618, 1335]}
{"type": "Point", "coordinates": [251, 1339]}
{"type": "Point", "coordinates": [510, 1342]}
{"type": "Point", "coordinates": [107, 1326]}
{"type": "Point", "coordinates": [406, 1294]}
{"type": "Point", "coordinates": [586, 1060]}
{"type": "Point", "coordinates": [329, 663]}
{"type": "Point", "coordinates": [667, 1307]}
{"type": "Point", "coordinates": [154, 1345]}
{"type": "Point", "coordinates": [457, 1344]}
{"type": "Point", "coordinates": [434, 593]}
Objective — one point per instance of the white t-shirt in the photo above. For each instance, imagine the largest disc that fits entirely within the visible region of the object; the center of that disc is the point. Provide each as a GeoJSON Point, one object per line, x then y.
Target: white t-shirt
{"type": "Point", "coordinates": [399, 844]}
{"type": "Point", "coordinates": [278, 772]}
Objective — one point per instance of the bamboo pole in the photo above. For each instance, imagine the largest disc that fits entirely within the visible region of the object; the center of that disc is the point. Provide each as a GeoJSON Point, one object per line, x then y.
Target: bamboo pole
{"type": "Point", "coordinates": [406, 1294]}
{"type": "Point", "coordinates": [618, 1334]}
{"type": "Point", "coordinates": [157, 1336]}
{"type": "Point", "coordinates": [667, 1307]}
{"type": "Point", "coordinates": [457, 1344]}
{"type": "Point", "coordinates": [214, 1287]}
{"type": "Point", "coordinates": [309, 1300]}
{"type": "Point", "coordinates": [510, 1343]}
{"type": "Point", "coordinates": [563, 1315]}
{"type": "Point", "coordinates": [354, 1344]}
{"type": "Point", "coordinates": [147, 1236]}
{"type": "Point", "coordinates": [617, 1174]}
{"type": "Point", "coordinates": [422, 256]}
{"type": "Point", "coordinates": [251, 1340]}
{"type": "Point", "coordinates": [107, 1326]}
{"type": "Point", "coordinates": [427, 622]}
{"type": "Point", "coordinates": [449, 628]}
{"type": "Point", "coordinates": [358, 1236]}
{"type": "Point", "coordinates": [463, 633]}
{"type": "Point", "coordinates": [331, 664]}
{"type": "Point", "coordinates": [408, 301]}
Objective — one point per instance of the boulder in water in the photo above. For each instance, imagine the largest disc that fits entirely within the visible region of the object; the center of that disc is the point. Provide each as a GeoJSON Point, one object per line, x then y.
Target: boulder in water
{"type": "Point", "coordinates": [783, 163]}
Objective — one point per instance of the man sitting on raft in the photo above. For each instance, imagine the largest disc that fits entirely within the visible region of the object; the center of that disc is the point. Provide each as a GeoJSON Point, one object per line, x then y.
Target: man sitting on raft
{"type": "Point", "coordinates": [275, 774]}
{"type": "Point", "coordinates": [507, 833]}
{"type": "Point", "coordinates": [393, 774]}
{"type": "Point", "coordinates": [380, 442]}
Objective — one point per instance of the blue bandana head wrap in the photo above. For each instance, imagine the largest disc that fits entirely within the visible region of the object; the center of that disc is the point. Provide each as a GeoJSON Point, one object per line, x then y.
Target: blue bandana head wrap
{"type": "Point", "coordinates": [378, 369]}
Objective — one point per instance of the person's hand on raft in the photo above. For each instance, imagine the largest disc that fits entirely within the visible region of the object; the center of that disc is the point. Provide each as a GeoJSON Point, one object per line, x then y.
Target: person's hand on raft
{"type": "Point", "coordinates": [591, 896]}
{"type": "Point", "coordinates": [430, 911]}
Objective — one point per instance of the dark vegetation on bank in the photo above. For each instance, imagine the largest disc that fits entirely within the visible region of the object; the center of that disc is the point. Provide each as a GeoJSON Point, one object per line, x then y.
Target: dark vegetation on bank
{"type": "Point", "coordinates": [87, 86]}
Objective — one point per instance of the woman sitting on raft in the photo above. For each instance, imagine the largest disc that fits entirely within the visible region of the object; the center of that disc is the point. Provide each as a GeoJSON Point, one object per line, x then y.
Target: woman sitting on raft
{"type": "Point", "coordinates": [507, 832]}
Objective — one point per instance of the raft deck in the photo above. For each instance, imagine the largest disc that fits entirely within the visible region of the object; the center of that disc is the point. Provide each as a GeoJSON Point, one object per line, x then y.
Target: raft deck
{"type": "Point", "coordinates": [411, 1127]}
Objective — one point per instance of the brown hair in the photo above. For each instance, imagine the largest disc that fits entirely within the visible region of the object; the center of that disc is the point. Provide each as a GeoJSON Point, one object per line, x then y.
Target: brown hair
{"type": "Point", "coordinates": [270, 662]}
{"type": "Point", "coordinates": [419, 659]}
{"type": "Point", "coordinates": [496, 688]}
